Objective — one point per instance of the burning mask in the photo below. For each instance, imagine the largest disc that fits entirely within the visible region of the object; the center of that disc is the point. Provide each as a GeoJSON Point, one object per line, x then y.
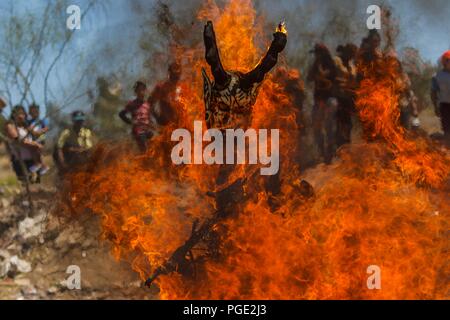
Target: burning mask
{"type": "Point", "coordinates": [229, 99]}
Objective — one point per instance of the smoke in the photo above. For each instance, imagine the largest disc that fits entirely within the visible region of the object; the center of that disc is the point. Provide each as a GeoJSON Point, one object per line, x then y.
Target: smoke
{"type": "Point", "coordinates": [335, 22]}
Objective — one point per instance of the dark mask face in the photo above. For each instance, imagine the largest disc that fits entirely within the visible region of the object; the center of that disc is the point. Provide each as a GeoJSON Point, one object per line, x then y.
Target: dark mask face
{"type": "Point", "coordinates": [229, 107]}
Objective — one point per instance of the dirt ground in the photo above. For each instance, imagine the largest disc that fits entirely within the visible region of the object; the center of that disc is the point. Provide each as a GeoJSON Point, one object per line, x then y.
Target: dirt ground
{"type": "Point", "coordinates": [46, 245]}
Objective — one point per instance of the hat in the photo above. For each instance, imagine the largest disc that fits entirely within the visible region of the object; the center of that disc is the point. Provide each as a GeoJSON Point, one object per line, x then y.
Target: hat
{"type": "Point", "coordinates": [78, 116]}
{"type": "Point", "coordinates": [445, 56]}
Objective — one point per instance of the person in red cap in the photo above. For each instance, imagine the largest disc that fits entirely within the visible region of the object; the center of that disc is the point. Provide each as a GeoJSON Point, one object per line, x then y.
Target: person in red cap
{"type": "Point", "coordinates": [440, 94]}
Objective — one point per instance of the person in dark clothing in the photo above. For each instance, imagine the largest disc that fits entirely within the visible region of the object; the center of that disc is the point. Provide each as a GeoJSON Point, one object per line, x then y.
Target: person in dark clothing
{"type": "Point", "coordinates": [74, 145]}
{"type": "Point", "coordinates": [370, 49]}
{"type": "Point", "coordinates": [166, 95]}
{"type": "Point", "coordinates": [345, 91]}
{"type": "Point", "coordinates": [323, 74]}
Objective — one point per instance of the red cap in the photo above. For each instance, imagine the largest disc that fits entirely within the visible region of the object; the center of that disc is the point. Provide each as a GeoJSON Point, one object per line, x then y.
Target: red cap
{"type": "Point", "coordinates": [445, 56]}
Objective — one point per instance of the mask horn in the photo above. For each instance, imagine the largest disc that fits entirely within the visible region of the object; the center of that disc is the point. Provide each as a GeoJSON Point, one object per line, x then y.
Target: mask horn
{"type": "Point", "coordinates": [267, 62]}
{"type": "Point", "coordinates": [221, 78]}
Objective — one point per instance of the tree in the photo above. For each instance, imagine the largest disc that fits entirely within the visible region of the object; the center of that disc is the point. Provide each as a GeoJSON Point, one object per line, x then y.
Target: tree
{"type": "Point", "coordinates": [34, 39]}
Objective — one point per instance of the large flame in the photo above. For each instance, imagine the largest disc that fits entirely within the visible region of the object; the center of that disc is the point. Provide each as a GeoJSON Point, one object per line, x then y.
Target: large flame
{"type": "Point", "coordinates": [368, 209]}
{"type": "Point", "coordinates": [377, 103]}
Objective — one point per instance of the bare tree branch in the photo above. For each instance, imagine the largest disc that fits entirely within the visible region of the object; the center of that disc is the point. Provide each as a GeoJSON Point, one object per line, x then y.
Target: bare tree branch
{"type": "Point", "coordinates": [60, 53]}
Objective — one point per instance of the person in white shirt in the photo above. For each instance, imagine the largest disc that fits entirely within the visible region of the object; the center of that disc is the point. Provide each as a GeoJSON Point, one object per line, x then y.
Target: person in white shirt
{"type": "Point", "coordinates": [440, 94]}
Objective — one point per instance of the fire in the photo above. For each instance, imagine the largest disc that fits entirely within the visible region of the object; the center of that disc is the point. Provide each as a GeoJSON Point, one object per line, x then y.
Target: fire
{"type": "Point", "coordinates": [374, 207]}
{"type": "Point", "coordinates": [377, 103]}
{"type": "Point", "coordinates": [236, 28]}
{"type": "Point", "coordinates": [281, 28]}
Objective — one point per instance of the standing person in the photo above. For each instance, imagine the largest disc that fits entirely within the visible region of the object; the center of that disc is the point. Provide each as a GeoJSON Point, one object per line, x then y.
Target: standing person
{"type": "Point", "coordinates": [37, 128]}
{"type": "Point", "coordinates": [440, 95]}
{"type": "Point", "coordinates": [345, 91]}
{"type": "Point", "coordinates": [139, 110]}
{"type": "Point", "coordinates": [166, 94]}
{"type": "Point", "coordinates": [3, 120]}
{"type": "Point", "coordinates": [323, 74]}
{"type": "Point", "coordinates": [409, 111]}
{"type": "Point", "coordinates": [73, 144]}
{"type": "Point", "coordinates": [407, 102]}
{"type": "Point", "coordinates": [370, 49]}
{"type": "Point", "coordinates": [22, 145]}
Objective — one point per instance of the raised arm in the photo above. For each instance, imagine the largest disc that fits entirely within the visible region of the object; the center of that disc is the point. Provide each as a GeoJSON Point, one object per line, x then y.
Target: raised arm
{"type": "Point", "coordinates": [212, 56]}
{"type": "Point", "coordinates": [268, 61]}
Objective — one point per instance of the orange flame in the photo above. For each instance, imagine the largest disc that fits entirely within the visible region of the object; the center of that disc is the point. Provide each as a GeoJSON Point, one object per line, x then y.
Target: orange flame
{"type": "Point", "coordinates": [377, 103]}
{"type": "Point", "coordinates": [281, 245]}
